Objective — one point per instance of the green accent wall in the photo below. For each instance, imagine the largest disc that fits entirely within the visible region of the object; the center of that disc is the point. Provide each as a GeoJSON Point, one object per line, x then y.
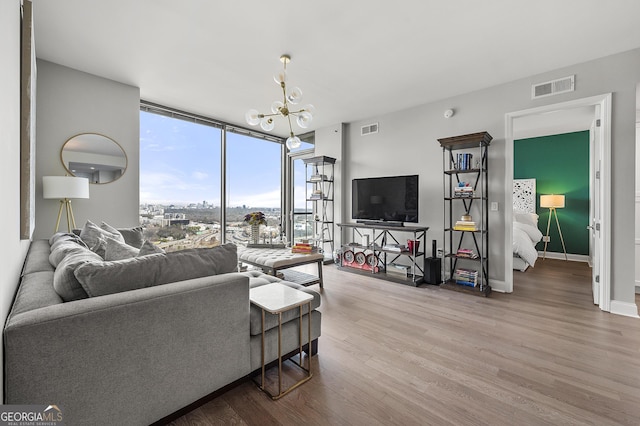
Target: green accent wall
{"type": "Point", "coordinates": [560, 165]}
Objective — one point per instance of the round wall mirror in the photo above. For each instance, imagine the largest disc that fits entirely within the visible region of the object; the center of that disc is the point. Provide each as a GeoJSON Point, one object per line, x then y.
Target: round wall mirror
{"type": "Point", "coordinates": [95, 157]}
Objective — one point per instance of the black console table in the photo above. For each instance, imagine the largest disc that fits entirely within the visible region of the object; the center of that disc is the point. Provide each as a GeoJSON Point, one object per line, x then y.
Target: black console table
{"type": "Point", "coordinates": [369, 251]}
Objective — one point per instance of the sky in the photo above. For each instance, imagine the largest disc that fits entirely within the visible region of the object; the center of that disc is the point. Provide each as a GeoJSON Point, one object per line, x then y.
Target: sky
{"type": "Point", "coordinates": [180, 164]}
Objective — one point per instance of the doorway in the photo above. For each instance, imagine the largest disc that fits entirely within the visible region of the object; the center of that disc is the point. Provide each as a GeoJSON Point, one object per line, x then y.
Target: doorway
{"type": "Point", "coordinates": [600, 182]}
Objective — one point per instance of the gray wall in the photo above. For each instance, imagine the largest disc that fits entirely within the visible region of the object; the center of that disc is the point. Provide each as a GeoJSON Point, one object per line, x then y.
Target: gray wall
{"type": "Point", "coordinates": [13, 249]}
{"type": "Point", "coordinates": [70, 102]}
{"type": "Point", "coordinates": [407, 144]}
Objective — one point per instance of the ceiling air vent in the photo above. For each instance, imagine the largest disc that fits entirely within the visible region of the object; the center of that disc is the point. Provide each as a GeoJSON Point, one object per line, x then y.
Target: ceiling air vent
{"type": "Point", "coordinates": [555, 87]}
{"type": "Point", "coordinates": [369, 129]}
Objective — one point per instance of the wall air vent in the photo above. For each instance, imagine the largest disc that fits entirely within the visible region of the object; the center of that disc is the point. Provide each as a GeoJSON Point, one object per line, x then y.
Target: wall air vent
{"type": "Point", "coordinates": [555, 87]}
{"type": "Point", "coordinates": [369, 129]}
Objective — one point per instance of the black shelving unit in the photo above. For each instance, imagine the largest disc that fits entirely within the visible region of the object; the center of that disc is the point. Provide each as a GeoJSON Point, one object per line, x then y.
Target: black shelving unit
{"type": "Point", "coordinates": [319, 195]}
{"type": "Point", "coordinates": [373, 260]}
{"type": "Point", "coordinates": [465, 162]}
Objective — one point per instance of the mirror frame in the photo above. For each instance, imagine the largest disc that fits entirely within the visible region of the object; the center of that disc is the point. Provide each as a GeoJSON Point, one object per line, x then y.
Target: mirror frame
{"type": "Point", "coordinates": [124, 153]}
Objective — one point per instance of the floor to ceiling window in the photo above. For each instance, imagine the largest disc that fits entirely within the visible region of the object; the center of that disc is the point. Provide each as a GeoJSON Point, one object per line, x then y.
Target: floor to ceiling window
{"type": "Point", "coordinates": [184, 161]}
{"type": "Point", "coordinates": [253, 184]}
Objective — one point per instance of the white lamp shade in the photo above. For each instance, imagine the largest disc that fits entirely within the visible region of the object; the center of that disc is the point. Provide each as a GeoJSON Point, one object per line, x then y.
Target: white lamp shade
{"type": "Point", "coordinates": [555, 201]}
{"type": "Point", "coordinates": [59, 187]}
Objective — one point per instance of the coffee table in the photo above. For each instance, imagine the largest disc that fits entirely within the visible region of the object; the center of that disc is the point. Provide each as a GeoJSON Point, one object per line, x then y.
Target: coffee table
{"type": "Point", "coordinates": [274, 260]}
{"type": "Point", "coordinates": [277, 298]}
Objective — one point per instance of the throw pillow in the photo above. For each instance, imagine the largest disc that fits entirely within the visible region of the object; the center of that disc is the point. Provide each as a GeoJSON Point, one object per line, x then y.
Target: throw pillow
{"type": "Point", "coordinates": [62, 248]}
{"type": "Point", "coordinates": [95, 237]}
{"type": "Point", "coordinates": [64, 280]}
{"type": "Point", "coordinates": [115, 250]}
{"type": "Point", "coordinates": [133, 236]}
{"type": "Point", "coordinates": [107, 277]}
{"type": "Point", "coordinates": [149, 248]}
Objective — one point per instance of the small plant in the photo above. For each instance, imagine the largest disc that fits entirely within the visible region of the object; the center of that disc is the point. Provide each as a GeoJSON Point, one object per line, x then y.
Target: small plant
{"type": "Point", "coordinates": [255, 218]}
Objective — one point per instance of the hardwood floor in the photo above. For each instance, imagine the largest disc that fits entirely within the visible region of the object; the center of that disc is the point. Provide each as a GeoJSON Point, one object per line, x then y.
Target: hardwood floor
{"type": "Point", "coordinates": [397, 355]}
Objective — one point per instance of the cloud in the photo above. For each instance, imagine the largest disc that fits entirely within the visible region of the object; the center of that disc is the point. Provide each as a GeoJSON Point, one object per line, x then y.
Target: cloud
{"type": "Point", "coordinates": [199, 175]}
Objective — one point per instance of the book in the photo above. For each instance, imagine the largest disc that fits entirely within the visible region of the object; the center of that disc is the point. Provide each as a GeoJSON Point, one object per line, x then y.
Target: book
{"type": "Point", "coordinates": [399, 270]}
{"type": "Point", "coordinates": [465, 228]}
{"type": "Point", "coordinates": [394, 247]}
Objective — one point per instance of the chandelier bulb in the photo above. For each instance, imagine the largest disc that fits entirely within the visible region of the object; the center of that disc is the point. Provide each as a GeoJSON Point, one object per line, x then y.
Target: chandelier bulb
{"type": "Point", "coordinates": [267, 124]}
{"type": "Point", "coordinates": [295, 95]}
{"type": "Point", "coordinates": [280, 77]}
{"type": "Point", "coordinates": [253, 117]}
{"type": "Point", "coordinates": [276, 107]}
{"type": "Point", "coordinates": [303, 119]}
{"type": "Point", "coordinates": [293, 142]}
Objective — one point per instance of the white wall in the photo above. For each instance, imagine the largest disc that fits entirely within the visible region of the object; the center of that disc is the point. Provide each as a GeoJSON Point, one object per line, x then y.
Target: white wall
{"type": "Point", "coordinates": [70, 102]}
{"type": "Point", "coordinates": [407, 144]}
{"type": "Point", "coordinates": [13, 249]}
{"type": "Point", "coordinates": [329, 142]}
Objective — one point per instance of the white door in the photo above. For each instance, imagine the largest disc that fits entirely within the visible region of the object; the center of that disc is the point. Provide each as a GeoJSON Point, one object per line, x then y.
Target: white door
{"type": "Point", "coordinates": [594, 206]}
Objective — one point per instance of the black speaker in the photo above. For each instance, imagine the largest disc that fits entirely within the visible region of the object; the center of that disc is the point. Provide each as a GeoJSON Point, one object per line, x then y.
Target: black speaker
{"type": "Point", "coordinates": [433, 270]}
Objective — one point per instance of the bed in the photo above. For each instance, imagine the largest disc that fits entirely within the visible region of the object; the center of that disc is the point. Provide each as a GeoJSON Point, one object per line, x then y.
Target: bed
{"type": "Point", "coordinates": [525, 224]}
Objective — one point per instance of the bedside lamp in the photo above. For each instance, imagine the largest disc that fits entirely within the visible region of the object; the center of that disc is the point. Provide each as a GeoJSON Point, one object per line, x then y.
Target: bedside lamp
{"type": "Point", "coordinates": [65, 188]}
{"type": "Point", "coordinates": [553, 202]}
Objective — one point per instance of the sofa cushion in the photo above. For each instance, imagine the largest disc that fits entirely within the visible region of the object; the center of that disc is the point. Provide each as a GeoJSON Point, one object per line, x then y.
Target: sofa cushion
{"type": "Point", "coordinates": [64, 280]}
{"type": "Point", "coordinates": [35, 292]}
{"type": "Point", "coordinates": [107, 277]}
{"type": "Point", "coordinates": [37, 259]}
{"type": "Point", "coordinates": [95, 237]}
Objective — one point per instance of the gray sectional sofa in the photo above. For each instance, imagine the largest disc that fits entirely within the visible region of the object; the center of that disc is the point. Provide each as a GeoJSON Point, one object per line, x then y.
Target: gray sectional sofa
{"type": "Point", "coordinates": [135, 356]}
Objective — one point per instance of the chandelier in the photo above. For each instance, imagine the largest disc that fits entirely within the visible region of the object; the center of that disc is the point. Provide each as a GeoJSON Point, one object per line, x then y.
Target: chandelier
{"type": "Point", "coordinates": [283, 108]}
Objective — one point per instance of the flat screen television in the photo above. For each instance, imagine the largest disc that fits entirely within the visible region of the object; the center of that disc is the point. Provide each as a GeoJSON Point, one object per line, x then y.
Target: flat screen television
{"type": "Point", "coordinates": [389, 199]}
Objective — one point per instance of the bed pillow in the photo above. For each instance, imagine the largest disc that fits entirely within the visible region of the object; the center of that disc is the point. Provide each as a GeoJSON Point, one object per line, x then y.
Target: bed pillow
{"type": "Point", "coordinates": [107, 277]}
{"type": "Point", "coordinates": [525, 217]}
{"type": "Point", "coordinates": [532, 231]}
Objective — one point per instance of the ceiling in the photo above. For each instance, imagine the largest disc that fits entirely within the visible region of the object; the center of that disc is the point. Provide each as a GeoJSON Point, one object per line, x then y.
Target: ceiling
{"type": "Point", "coordinates": [352, 59]}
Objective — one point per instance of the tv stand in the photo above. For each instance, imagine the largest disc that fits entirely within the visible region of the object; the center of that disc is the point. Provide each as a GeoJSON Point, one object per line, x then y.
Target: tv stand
{"type": "Point", "coordinates": [369, 251]}
{"type": "Point", "coordinates": [382, 223]}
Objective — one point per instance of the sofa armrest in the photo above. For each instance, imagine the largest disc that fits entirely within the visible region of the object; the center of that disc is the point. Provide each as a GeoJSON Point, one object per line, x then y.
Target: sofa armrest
{"type": "Point", "coordinates": [133, 357]}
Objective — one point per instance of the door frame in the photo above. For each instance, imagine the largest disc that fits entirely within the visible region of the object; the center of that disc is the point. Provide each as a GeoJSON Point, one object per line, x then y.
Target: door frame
{"type": "Point", "coordinates": [603, 113]}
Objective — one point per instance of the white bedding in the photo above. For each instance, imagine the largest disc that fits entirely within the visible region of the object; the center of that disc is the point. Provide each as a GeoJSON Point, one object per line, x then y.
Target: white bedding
{"type": "Point", "coordinates": [525, 236]}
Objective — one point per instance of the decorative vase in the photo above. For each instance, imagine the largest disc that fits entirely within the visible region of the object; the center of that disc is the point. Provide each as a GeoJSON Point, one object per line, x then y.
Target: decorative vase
{"type": "Point", "coordinates": [255, 234]}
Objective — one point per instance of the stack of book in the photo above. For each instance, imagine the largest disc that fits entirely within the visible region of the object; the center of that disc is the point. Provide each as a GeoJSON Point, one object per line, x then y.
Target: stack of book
{"type": "Point", "coordinates": [397, 248]}
{"type": "Point", "coordinates": [304, 248]}
{"type": "Point", "coordinates": [316, 194]}
{"type": "Point", "coordinates": [467, 253]}
{"type": "Point", "coordinates": [463, 190]}
{"type": "Point", "coordinates": [464, 161]}
{"type": "Point", "coordinates": [467, 277]}
{"type": "Point", "coordinates": [465, 225]}
{"type": "Point", "coordinates": [398, 270]}
{"type": "Point", "coordinates": [317, 178]}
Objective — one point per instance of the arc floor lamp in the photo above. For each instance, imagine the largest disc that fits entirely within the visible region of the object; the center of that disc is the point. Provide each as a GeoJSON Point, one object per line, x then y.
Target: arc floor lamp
{"type": "Point", "coordinates": [553, 202]}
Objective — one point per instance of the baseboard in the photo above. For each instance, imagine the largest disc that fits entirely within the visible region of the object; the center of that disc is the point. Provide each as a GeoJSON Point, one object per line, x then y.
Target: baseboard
{"type": "Point", "coordinates": [560, 256]}
{"type": "Point", "coordinates": [637, 287]}
{"type": "Point", "coordinates": [499, 286]}
{"type": "Point", "coordinates": [624, 308]}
